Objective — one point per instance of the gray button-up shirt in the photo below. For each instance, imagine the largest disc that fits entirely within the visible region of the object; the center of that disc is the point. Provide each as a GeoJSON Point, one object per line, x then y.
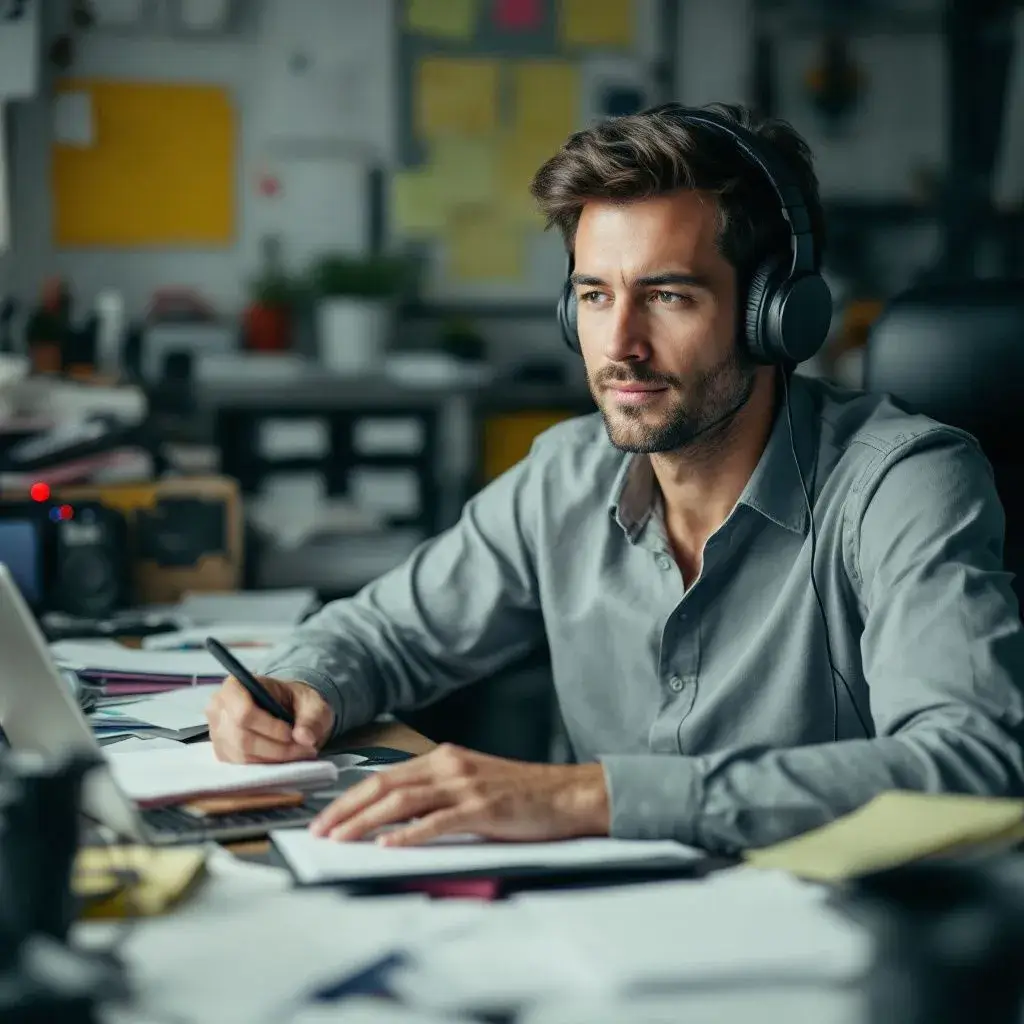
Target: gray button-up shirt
{"type": "Point", "coordinates": [714, 710]}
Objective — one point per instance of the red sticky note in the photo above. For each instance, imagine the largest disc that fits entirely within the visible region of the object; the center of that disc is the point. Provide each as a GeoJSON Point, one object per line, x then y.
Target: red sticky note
{"type": "Point", "coordinates": [517, 15]}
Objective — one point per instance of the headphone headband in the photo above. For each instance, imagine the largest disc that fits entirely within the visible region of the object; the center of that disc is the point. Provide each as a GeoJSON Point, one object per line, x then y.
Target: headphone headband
{"type": "Point", "coordinates": [775, 171]}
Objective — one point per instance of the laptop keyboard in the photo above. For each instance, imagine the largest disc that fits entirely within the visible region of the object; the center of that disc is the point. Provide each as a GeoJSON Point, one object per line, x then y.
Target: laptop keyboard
{"type": "Point", "coordinates": [179, 822]}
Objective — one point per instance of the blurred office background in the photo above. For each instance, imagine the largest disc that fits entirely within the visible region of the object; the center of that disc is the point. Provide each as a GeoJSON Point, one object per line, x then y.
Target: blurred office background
{"type": "Point", "coordinates": [274, 301]}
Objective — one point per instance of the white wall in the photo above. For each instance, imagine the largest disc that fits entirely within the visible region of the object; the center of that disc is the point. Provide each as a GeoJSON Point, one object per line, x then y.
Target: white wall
{"type": "Point", "coordinates": [19, 77]}
{"type": "Point", "coordinates": [19, 51]}
{"type": "Point", "coordinates": [317, 130]}
{"type": "Point", "coordinates": [897, 128]}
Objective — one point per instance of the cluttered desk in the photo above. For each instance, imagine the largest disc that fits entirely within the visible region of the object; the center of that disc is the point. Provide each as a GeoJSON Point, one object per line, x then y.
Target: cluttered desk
{"type": "Point", "coordinates": [153, 914]}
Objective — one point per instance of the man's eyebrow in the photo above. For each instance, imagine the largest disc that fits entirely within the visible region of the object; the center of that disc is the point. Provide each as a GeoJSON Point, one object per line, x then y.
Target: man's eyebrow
{"type": "Point", "coordinates": [654, 280]}
{"type": "Point", "coordinates": [648, 281]}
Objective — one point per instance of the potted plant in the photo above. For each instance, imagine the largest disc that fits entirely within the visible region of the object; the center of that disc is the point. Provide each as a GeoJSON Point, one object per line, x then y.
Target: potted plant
{"type": "Point", "coordinates": [268, 318]}
{"type": "Point", "coordinates": [356, 301]}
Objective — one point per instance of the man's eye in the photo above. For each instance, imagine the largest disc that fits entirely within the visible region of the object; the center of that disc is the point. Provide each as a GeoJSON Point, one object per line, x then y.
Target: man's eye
{"type": "Point", "coordinates": [673, 298]}
{"type": "Point", "coordinates": [591, 296]}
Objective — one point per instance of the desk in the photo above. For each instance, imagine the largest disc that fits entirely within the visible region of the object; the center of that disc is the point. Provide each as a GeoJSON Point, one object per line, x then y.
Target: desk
{"type": "Point", "coordinates": [387, 734]}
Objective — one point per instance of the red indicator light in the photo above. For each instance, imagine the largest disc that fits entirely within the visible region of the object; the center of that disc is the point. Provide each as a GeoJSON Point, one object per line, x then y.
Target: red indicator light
{"type": "Point", "coordinates": [39, 492]}
{"type": "Point", "coordinates": [66, 512]}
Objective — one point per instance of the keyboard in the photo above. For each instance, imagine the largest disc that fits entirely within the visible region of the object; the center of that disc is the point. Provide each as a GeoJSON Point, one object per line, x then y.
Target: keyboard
{"type": "Point", "coordinates": [180, 823]}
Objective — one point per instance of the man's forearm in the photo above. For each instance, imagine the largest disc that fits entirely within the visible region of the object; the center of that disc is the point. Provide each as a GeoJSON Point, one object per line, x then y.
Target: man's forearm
{"type": "Point", "coordinates": [743, 798]}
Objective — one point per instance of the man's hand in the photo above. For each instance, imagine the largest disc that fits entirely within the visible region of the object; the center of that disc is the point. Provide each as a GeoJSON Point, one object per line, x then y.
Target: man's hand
{"type": "Point", "coordinates": [451, 790]}
{"type": "Point", "coordinates": [242, 732]}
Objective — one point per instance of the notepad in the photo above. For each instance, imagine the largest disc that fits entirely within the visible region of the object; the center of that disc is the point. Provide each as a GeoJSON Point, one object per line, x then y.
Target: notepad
{"type": "Point", "coordinates": [166, 776]}
{"type": "Point", "coordinates": [895, 828]}
{"type": "Point", "coordinates": [314, 860]}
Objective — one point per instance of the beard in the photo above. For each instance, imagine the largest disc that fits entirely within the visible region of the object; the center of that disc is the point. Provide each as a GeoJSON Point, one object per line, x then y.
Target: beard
{"type": "Point", "coordinates": [691, 410]}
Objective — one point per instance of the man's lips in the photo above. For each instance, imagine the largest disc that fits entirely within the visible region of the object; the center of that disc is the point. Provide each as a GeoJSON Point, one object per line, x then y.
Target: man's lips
{"type": "Point", "coordinates": [636, 387]}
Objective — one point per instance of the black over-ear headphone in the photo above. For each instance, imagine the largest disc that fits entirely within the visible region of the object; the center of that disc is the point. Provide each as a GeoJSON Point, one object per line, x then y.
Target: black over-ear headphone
{"type": "Point", "coordinates": [788, 308]}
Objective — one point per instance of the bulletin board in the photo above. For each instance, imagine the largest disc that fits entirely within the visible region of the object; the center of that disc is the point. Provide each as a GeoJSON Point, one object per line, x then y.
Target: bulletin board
{"type": "Point", "coordinates": [489, 90]}
{"type": "Point", "coordinates": [150, 164]}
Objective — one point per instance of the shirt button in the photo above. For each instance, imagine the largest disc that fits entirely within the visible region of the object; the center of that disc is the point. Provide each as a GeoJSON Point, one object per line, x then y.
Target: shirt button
{"type": "Point", "coordinates": [675, 684]}
{"type": "Point", "coordinates": [664, 562]}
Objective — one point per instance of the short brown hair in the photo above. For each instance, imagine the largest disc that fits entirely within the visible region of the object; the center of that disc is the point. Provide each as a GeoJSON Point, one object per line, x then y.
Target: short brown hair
{"type": "Point", "coordinates": [651, 153]}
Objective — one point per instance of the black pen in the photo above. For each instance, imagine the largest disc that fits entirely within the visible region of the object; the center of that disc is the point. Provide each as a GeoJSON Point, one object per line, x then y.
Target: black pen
{"type": "Point", "coordinates": [261, 698]}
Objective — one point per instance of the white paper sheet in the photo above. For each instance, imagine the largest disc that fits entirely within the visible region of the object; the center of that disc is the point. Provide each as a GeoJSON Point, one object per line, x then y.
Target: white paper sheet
{"type": "Point", "coordinates": [238, 955]}
{"type": "Point", "coordinates": [193, 768]}
{"type": "Point", "coordinates": [732, 929]}
{"type": "Point", "coordinates": [126, 746]}
{"type": "Point", "coordinates": [316, 860]}
{"type": "Point", "coordinates": [175, 709]}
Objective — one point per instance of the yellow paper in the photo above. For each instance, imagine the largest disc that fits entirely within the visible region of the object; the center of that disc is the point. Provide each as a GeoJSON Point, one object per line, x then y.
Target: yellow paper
{"type": "Point", "coordinates": [445, 19]}
{"type": "Point", "coordinates": [894, 828]}
{"type": "Point", "coordinates": [162, 170]}
{"type": "Point", "coordinates": [546, 101]}
{"type": "Point", "coordinates": [418, 205]}
{"type": "Point", "coordinates": [465, 170]}
{"type": "Point", "coordinates": [604, 23]}
{"type": "Point", "coordinates": [161, 878]}
{"type": "Point", "coordinates": [519, 159]}
{"type": "Point", "coordinates": [456, 96]}
{"type": "Point", "coordinates": [483, 246]}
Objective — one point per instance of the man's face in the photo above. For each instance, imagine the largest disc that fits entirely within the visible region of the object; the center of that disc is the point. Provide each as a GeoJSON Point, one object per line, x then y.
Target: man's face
{"type": "Point", "coordinates": [657, 320]}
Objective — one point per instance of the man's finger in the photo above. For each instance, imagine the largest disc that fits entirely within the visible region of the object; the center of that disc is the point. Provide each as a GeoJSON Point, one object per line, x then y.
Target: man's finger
{"type": "Point", "coordinates": [238, 707]}
{"type": "Point", "coordinates": [399, 805]}
{"type": "Point", "coordinates": [447, 822]}
{"type": "Point", "coordinates": [368, 792]}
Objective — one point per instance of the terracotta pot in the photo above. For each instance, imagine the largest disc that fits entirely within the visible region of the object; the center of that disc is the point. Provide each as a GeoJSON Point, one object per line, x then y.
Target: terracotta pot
{"type": "Point", "coordinates": [267, 328]}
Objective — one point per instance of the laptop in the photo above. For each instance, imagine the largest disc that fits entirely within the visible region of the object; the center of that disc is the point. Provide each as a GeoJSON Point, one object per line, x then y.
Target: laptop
{"type": "Point", "coordinates": [39, 712]}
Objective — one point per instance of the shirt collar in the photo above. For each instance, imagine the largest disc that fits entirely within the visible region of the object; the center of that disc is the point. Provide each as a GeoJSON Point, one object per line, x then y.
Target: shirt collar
{"type": "Point", "coordinates": [774, 488]}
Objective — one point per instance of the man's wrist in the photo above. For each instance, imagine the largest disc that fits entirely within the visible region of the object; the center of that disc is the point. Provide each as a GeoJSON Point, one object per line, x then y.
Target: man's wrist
{"type": "Point", "coordinates": [587, 803]}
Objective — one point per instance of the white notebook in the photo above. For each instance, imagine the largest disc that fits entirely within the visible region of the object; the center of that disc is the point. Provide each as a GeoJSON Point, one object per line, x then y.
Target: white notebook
{"type": "Point", "coordinates": [314, 860]}
{"type": "Point", "coordinates": [163, 775]}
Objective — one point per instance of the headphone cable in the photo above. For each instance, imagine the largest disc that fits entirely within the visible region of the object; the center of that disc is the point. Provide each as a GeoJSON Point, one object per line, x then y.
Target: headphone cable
{"type": "Point", "coordinates": [814, 585]}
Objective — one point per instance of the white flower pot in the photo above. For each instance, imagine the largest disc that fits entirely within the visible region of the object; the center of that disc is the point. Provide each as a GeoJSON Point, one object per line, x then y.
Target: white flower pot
{"type": "Point", "coordinates": [353, 334]}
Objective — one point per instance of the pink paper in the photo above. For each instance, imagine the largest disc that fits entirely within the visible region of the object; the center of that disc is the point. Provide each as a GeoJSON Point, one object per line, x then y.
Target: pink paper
{"type": "Point", "coordinates": [517, 15]}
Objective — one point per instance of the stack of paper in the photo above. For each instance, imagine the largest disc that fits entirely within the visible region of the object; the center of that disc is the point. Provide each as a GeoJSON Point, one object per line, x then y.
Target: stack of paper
{"type": "Point", "coordinates": [117, 669]}
{"type": "Point", "coordinates": [285, 607]}
{"type": "Point", "coordinates": [179, 714]}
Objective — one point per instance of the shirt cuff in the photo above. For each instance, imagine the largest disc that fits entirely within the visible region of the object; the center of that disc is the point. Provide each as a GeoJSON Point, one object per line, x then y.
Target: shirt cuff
{"type": "Point", "coordinates": [654, 796]}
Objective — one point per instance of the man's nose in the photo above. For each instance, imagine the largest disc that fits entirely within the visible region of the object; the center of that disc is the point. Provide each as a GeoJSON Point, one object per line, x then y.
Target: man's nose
{"type": "Point", "coordinates": [627, 335]}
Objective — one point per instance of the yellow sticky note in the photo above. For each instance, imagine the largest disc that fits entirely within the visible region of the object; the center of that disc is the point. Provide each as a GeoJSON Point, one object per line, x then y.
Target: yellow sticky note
{"type": "Point", "coordinates": [483, 246]}
{"type": "Point", "coordinates": [418, 206]}
{"type": "Point", "coordinates": [546, 100]}
{"type": "Point", "coordinates": [519, 158]}
{"type": "Point", "coordinates": [894, 828]}
{"type": "Point", "coordinates": [456, 96]}
{"type": "Point", "coordinates": [604, 23]}
{"type": "Point", "coordinates": [445, 19]}
{"type": "Point", "coordinates": [464, 169]}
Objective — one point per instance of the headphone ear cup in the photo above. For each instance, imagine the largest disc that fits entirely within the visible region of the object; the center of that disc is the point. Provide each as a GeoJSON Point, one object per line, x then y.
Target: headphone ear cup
{"type": "Point", "coordinates": [759, 293]}
{"type": "Point", "coordinates": [566, 312]}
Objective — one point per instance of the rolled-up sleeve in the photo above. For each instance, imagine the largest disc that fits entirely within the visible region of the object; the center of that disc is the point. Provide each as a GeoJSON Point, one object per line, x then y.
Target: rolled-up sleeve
{"type": "Point", "coordinates": [463, 605]}
{"type": "Point", "coordinates": [943, 655]}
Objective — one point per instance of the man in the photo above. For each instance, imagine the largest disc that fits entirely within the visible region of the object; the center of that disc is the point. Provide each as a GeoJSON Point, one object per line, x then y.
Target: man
{"type": "Point", "coordinates": [730, 669]}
